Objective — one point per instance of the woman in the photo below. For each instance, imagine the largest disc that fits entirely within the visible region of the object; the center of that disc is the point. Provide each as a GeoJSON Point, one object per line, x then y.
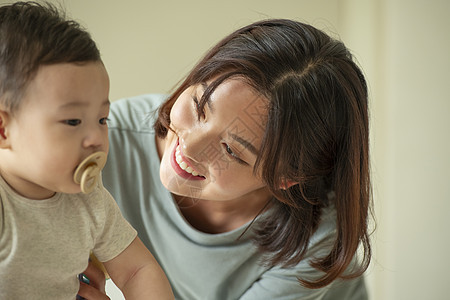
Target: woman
{"type": "Point", "coordinates": [263, 189]}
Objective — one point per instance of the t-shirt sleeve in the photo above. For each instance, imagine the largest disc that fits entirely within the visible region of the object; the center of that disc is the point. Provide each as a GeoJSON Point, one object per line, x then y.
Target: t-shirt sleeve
{"type": "Point", "coordinates": [116, 234]}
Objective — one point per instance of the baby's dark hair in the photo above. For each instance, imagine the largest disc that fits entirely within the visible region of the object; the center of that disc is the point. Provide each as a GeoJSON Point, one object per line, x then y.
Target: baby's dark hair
{"type": "Point", "coordinates": [34, 34]}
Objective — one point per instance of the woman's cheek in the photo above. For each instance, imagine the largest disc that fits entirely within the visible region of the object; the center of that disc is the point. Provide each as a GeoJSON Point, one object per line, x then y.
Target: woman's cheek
{"type": "Point", "coordinates": [223, 178]}
{"type": "Point", "coordinates": [219, 166]}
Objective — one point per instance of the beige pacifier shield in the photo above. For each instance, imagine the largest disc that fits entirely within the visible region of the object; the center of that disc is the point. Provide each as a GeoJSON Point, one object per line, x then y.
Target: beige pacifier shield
{"type": "Point", "coordinates": [87, 173]}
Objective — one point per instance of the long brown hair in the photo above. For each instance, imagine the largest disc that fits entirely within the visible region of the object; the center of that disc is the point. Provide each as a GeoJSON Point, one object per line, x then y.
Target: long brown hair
{"type": "Point", "coordinates": [317, 135]}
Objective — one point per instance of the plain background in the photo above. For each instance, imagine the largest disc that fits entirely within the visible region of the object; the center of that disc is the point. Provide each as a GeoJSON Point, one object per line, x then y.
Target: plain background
{"type": "Point", "coordinates": [404, 48]}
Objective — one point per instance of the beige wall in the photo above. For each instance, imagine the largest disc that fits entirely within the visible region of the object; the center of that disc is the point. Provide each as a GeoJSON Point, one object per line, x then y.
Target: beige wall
{"type": "Point", "coordinates": [148, 46]}
{"type": "Point", "coordinates": [412, 149]}
{"type": "Point", "coordinates": [404, 48]}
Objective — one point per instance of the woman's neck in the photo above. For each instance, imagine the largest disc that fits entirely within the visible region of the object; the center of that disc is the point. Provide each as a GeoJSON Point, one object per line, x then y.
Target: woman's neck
{"type": "Point", "coordinates": [211, 216]}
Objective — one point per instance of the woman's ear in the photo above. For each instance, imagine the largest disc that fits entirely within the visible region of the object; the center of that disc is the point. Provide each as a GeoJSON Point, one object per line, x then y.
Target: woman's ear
{"type": "Point", "coordinates": [4, 141]}
{"type": "Point", "coordinates": [285, 184]}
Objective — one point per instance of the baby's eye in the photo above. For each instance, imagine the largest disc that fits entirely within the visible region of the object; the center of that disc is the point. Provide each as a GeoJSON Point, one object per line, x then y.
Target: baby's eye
{"type": "Point", "coordinates": [103, 121]}
{"type": "Point", "coordinates": [73, 122]}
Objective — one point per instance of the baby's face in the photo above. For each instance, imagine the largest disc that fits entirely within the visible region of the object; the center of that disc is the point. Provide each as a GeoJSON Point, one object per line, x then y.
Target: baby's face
{"type": "Point", "coordinates": [60, 121]}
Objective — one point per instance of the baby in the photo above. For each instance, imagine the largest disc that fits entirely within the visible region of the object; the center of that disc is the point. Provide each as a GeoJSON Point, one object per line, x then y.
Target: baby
{"type": "Point", "coordinates": [54, 210]}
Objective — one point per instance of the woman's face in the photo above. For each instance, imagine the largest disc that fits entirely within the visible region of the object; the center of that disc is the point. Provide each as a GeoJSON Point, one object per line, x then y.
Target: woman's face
{"type": "Point", "coordinates": [212, 158]}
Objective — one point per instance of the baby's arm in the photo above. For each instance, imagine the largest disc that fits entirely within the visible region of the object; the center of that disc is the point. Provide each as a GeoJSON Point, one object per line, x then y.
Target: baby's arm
{"type": "Point", "coordinates": [138, 275]}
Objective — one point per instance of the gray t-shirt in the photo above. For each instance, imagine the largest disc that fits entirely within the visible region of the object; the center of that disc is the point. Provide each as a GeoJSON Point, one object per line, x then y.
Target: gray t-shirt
{"type": "Point", "coordinates": [45, 244]}
{"type": "Point", "coordinates": [199, 265]}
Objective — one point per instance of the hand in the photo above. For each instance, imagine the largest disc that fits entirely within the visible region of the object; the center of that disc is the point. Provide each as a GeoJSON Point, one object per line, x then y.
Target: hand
{"type": "Point", "coordinates": [95, 290]}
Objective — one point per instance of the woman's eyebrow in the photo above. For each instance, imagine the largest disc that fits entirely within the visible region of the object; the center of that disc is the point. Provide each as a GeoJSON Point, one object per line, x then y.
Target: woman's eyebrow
{"type": "Point", "coordinates": [244, 143]}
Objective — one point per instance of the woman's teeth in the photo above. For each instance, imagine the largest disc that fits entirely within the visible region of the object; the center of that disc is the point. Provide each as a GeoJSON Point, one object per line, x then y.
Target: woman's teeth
{"type": "Point", "coordinates": [183, 165]}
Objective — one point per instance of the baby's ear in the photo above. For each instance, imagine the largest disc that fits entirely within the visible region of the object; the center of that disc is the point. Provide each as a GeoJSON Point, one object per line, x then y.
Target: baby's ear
{"type": "Point", "coordinates": [4, 118]}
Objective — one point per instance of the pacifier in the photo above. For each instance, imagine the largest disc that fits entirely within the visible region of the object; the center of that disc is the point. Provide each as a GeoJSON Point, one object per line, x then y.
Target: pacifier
{"type": "Point", "coordinates": [88, 171]}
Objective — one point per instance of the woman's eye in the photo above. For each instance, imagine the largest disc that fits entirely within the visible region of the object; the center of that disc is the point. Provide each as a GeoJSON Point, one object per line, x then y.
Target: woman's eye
{"type": "Point", "coordinates": [73, 122]}
{"type": "Point", "coordinates": [233, 155]}
{"type": "Point", "coordinates": [104, 121]}
{"type": "Point", "coordinates": [229, 150]}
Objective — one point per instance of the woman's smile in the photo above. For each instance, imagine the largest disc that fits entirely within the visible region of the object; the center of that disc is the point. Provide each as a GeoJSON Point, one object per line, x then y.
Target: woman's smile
{"type": "Point", "coordinates": [182, 166]}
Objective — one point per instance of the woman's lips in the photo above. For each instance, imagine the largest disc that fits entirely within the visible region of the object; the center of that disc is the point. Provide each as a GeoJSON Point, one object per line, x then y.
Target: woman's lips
{"type": "Point", "coordinates": [179, 170]}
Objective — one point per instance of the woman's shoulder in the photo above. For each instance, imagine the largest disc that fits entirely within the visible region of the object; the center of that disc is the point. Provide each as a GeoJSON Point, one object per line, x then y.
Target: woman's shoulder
{"type": "Point", "coordinates": [135, 113]}
{"type": "Point", "coordinates": [324, 237]}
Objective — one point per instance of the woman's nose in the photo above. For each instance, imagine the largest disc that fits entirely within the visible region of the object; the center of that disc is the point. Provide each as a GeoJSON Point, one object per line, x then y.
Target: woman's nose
{"type": "Point", "coordinates": [199, 146]}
